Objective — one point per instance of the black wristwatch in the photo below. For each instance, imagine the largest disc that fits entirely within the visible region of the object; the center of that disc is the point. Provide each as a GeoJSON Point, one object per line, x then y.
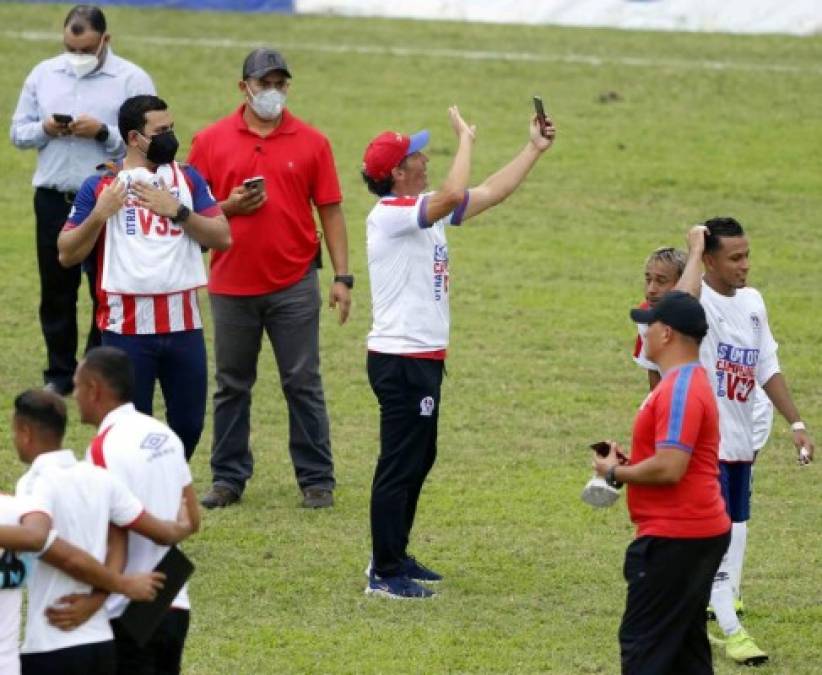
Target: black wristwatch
{"type": "Point", "coordinates": [347, 279]}
{"type": "Point", "coordinates": [183, 212]}
{"type": "Point", "coordinates": [610, 479]}
{"type": "Point", "coordinates": [102, 135]}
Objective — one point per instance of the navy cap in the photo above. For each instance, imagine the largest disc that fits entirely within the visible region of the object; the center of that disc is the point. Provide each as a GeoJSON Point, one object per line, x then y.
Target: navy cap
{"type": "Point", "coordinates": [679, 310]}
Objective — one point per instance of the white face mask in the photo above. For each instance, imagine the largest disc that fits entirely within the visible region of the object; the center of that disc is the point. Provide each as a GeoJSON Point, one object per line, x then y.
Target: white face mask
{"type": "Point", "coordinates": [268, 103]}
{"type": "Point", "coordinates": [82, 64]}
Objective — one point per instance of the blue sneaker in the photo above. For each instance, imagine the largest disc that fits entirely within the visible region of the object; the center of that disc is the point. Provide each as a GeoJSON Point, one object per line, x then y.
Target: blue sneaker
{"type": "Point", "coordinates": [396, 588]}
{"type": "Point", "coordinates": [413, 570]}
{"type": "Point", "coordinates": [419, 572]}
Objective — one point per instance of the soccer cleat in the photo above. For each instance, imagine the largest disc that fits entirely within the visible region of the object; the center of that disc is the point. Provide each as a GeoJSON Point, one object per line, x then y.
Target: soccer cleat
{"type": "Point", "coordinates": [741, 648]}
{"type": "Point", "coordinates": [412, 569]}
{"type": "Point", "coordinates": [710, 614]}
{"type": "Point", "coordinates": [396, 588]}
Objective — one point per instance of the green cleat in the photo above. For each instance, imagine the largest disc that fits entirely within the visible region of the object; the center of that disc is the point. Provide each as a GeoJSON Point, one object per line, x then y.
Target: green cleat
{"type": "Point", "coordinates": [741, 648]}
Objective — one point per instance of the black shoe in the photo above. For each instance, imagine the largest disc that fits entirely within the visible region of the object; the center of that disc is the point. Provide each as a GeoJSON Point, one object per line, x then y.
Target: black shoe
{"type": "Point", "coordinates": [219, 496]}
{"type": "Point", "coordinates": [317, 498]}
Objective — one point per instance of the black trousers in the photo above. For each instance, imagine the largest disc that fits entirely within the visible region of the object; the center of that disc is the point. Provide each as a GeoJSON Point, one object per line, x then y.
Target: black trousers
{"type": "Point", "coordinates": [58, 290]}
{"type": "Point", "coordinates": [96, 658]}
{"type": "Point", "coordinates": [408, 391]}
{"type": "Point", "coordinates": [669, 585]}
{"type": "Point", "coordinates": [162, 654]}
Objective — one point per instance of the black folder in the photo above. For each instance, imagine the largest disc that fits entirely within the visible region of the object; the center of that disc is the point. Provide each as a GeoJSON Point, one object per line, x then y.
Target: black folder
{"type": "Point", "coordinates": [141, 619]}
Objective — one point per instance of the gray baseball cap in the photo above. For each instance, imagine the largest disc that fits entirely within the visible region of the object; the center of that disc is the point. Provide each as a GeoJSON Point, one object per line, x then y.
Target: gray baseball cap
{"type": "Point", "coordinates": [262, 61]}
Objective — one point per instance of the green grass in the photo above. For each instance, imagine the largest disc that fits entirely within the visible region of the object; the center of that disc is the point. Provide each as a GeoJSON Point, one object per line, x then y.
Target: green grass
{"type": "Point", "coordinates": [539, 364]}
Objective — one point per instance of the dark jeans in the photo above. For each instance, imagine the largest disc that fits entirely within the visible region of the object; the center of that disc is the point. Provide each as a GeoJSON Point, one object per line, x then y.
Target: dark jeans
{"type": "Point", "coordinates": [669, 585]}
{"type": "Point", "coordinates": [291, 320]}
{"type": "Point", "coordinates": [58, 290]}
{"type": "Point", "coordinates": [96, 658]}
{"type": "Point", "coordinates": [178, 361]}
{"type": "Point", "coordinates": [408, 391]}
{"type": "Point", "coordinates": [162, 654]}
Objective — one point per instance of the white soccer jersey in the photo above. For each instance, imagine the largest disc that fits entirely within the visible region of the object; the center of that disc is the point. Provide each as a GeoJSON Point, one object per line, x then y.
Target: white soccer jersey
{"type": "Point", "coordinates": [82, 499]}
{"type": "Point", "coordinates": [147, 254]}
{"type": "Point", "coordinates": [408, 269]}
{"type": "Point", "coordinates": [12, 578]}
{"type": "Point", "coordinates": [148, 457]}
{"type": "Point", "coordinates": [738, 352]}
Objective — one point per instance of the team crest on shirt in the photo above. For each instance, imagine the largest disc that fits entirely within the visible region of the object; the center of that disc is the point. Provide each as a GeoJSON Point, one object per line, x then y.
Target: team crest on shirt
{"type": "Point", "coordinates": [427, 406]}
{"type": "Point", "coordinates": [440, 270]}
{"type": "Point", "coordinates": [755, 321]}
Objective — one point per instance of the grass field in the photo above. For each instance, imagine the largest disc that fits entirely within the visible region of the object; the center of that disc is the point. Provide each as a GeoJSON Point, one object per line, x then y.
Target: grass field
{"type": "Point", "coordinates": [539, 364]}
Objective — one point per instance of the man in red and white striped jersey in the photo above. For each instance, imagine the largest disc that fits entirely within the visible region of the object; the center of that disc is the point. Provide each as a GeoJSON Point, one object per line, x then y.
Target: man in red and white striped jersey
{"type": "Point", "coordinates": [149, 220]}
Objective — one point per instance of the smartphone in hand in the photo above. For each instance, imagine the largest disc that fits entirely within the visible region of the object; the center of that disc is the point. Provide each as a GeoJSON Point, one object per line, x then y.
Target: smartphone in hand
{"type": "Point", "coordinates": [255, 184]}
{"type": "Point", "coordinates": [60, 118]}
{"type": "Point", "coordinates": [603, 449]}
{"type": "Point", "coordinates": [541, 118]}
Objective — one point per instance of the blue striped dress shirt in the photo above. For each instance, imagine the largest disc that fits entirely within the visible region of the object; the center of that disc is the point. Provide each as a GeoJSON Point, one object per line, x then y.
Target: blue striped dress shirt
{"type": "Point", "coordinates": [64, 162]}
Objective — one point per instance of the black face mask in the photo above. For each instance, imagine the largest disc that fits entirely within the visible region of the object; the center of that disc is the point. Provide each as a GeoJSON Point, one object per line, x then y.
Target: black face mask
{"type": "Point", "coordinates": [162, 148]}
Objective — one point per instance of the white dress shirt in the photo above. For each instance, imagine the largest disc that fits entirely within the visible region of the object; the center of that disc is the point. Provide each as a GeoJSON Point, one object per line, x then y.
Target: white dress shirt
{"type": "Point", "coordinates": [63, 162]}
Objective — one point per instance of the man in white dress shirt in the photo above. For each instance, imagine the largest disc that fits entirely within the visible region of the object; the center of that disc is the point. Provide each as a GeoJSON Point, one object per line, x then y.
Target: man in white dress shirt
{"type": "Point", "coordinates": [67, 111]}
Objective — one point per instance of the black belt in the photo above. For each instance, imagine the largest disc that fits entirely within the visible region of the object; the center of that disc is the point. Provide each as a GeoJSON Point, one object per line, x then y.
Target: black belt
{"type": "Point", "coordinates": [67, 196]}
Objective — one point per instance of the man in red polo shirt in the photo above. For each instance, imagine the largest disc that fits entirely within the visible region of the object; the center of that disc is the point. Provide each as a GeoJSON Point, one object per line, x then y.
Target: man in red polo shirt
{"type": "Point", "coordinates": [268, 281]}
{"type": "Point", "coordinates": [674, 499]}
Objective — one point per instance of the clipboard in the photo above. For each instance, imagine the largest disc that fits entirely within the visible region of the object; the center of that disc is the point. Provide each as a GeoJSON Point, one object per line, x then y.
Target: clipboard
{"type": "Point", "coordinates": [141, 619]}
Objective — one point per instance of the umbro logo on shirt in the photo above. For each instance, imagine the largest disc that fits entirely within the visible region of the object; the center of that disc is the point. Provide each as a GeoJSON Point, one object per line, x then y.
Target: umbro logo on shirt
{"type": "Point", "coordinates": [153, 441]}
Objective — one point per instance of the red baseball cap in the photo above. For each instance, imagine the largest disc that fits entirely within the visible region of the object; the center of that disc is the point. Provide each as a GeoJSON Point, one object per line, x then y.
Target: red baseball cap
{"type": "Point", "coordinates": [387, 150]}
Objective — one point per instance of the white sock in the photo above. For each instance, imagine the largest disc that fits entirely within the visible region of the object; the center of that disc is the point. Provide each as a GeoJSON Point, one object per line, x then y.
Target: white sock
{"type": "Point", "coordinates": [722, 599]}
{"type": "Point", "coordinates": [736, 555]}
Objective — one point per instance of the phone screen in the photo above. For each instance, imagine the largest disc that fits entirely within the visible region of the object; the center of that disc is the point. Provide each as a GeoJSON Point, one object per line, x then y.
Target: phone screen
{"type": "Point", "coordinates": [62, 119]}
{"type": "Point", "coordinates": [254, 184]}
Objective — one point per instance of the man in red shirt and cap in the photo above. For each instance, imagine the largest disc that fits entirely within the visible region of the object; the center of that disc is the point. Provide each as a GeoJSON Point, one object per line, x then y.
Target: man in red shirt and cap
{"type": "Point", "coordinates": [674, 499]}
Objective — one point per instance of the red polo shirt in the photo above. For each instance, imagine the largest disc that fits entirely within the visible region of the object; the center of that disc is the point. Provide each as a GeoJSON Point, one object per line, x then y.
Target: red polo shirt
{"type": "Point", "coordinates": [680, 413]}
{"type": "Point", "coordinates": [272, 247]}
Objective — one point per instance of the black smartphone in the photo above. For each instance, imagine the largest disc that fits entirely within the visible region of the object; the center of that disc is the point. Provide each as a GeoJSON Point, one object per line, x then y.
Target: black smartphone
{"type": "Point", "coordinates": [543, 120]}
{"type": "Point", "coordinates": [602, 448]}
{"type": "Point", "coordinates": [62, 119]}
{"type": "Point", "coordinates": [255, 184]}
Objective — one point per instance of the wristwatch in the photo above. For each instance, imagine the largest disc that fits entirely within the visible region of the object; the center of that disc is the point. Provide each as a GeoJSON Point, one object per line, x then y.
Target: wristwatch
{"type": "Point", "coordinates": [183, 212]}
{"type": "Point", "coordinates": [102, 135]}
{"type": "Point", "coordinates": [610, 479]}
{"type": "Point", "coordinates": [347, 279]}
